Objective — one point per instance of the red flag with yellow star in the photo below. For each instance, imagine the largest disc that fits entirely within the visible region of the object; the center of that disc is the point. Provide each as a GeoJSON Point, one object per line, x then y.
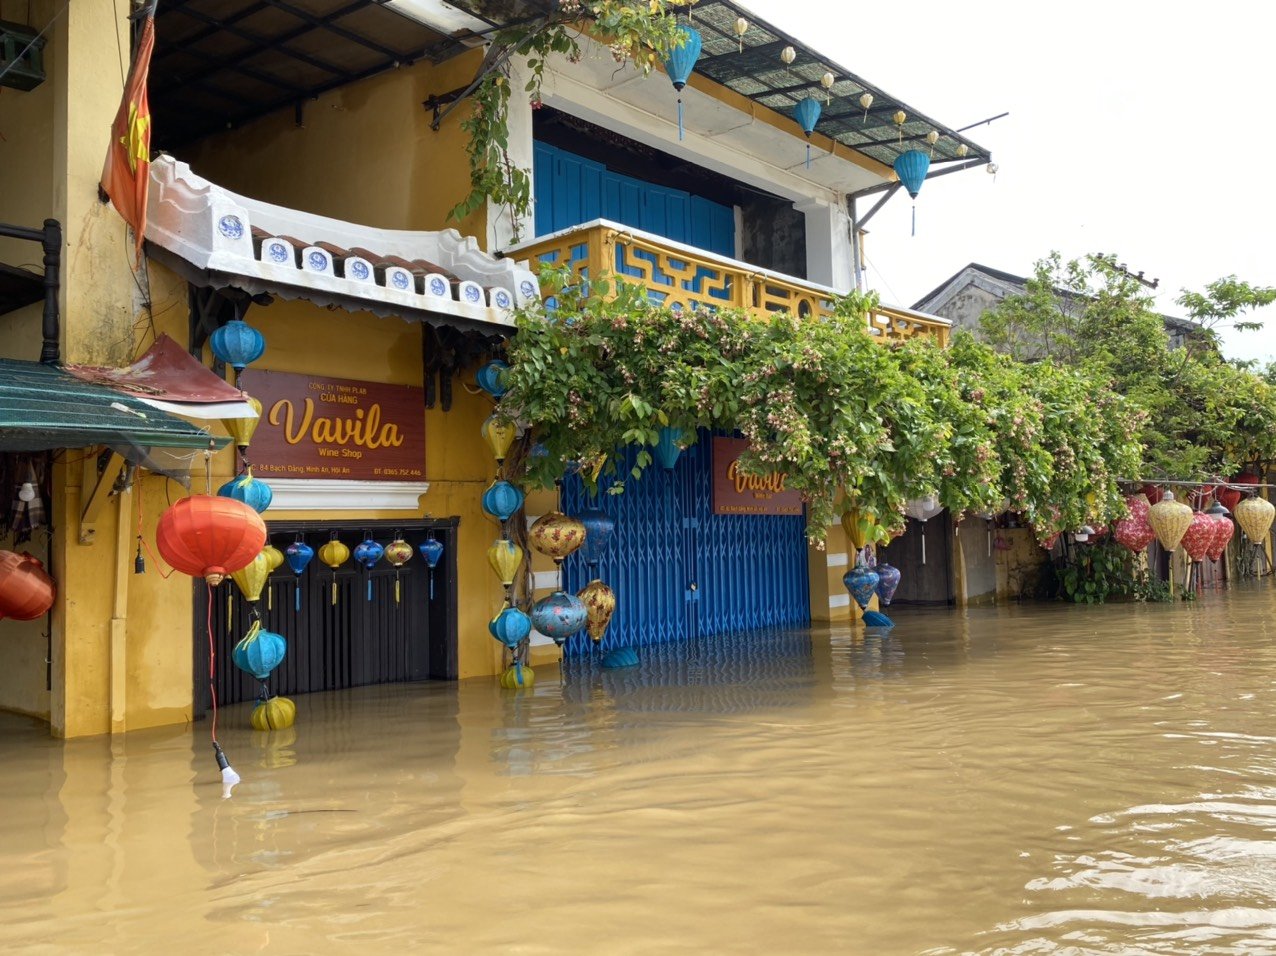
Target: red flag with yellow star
{"type": "Point", "coordinates": [127, 172]}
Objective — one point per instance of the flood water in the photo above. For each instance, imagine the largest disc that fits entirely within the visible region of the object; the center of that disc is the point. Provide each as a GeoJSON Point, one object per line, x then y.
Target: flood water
{"type": "Point", "coordinates": [1042, 779]}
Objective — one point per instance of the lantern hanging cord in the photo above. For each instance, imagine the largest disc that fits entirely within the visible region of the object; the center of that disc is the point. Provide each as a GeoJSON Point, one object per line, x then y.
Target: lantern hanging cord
{"type": "Point", "coordinates": [229, 777]}
{"type": "Point", "coordinates": [141, 488]}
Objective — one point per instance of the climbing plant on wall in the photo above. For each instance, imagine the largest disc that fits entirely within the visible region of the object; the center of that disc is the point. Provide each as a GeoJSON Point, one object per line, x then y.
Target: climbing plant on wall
{"type": "Point", "coordinates": [821, 401]}
{"type": "Point", "coordinates": [638, 33]}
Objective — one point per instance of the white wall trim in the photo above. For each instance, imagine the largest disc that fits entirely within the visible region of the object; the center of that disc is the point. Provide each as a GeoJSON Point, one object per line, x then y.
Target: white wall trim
{"type": "Point", "coordinates": [838, 559]}
{"type": "Point", "coordinates": [330, 494]}
{"type": "Point", "coordinates": [545, 580]}
{"type": "Point", "coordinates": [839, 600]}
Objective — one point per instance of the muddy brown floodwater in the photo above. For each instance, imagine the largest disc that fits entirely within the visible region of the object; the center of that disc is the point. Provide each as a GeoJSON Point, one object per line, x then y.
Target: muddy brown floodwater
{"type": "Point", "coordinates": [1020, 780]}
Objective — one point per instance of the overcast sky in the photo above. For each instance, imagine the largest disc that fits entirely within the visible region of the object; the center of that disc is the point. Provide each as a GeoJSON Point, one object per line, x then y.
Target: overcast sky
{"type": "Point", "coordinates": [1137, 128]}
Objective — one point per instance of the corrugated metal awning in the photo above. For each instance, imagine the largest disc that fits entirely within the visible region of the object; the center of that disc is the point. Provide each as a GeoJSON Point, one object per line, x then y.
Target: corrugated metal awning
{"type": "Point", "coordinates": [43, 408]}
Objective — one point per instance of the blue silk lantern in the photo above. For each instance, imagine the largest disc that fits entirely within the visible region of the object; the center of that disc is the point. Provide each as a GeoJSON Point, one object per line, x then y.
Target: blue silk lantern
{"type": "Point", "coordinates": [237, 344]}
{"type": "Point", "coordinates": [911, 168]}
{"type": "Point", "coordinates": [501, 500]}
{"type": "Point", "coordinates": [888, 580]}
{"type": "Point", "coordinates": [259, 653]}
{"type": "Point", "coordinates": [510, 626]}
{"type": "Point", "coordinates": [432, 549]}
{"type": "Point", "coordinates": [862, 582]}
{"type": "Point", "coordinates": [367, 553]}
{"type": "Point", "coordinates": [621, 657]}
{"type": "Point", "coordinates": [251, 491]}
{"type": "Point", "coordinates": [559, 616]}
{"type": "Point", "coordinates": [667, 450]}
{"type": "Point", "coordinates": [491, 378]}
{"type": "Point", "coordinates": [681, 61]}
{"type": "Point", "coordinates": [807, 113]}
{"type": "Point", "coordinates": [599, 527]}
{"type": "Point", "coordinates": [298, 555]}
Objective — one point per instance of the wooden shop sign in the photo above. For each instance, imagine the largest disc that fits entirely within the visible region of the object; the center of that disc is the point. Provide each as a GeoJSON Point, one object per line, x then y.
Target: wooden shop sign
{"type": "Point", "coordinates": [314, 427]}
{"type": "Point", "coordinates": [735, 493]}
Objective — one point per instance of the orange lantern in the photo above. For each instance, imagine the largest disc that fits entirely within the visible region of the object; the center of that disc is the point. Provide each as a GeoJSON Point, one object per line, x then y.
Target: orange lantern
{"type": "Point", "coordinates": [26, 591]}
{"type": "Point", "coordinates": [210, 537]}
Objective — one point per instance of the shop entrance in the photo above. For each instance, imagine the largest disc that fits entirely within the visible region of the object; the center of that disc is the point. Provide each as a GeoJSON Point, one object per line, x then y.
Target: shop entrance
{"type": "Point", "coordinates": [363, 637]}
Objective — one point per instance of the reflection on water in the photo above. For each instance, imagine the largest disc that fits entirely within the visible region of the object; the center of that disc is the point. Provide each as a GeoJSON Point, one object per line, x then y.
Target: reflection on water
{"type": "Point", "coordinates": [1019, 780]}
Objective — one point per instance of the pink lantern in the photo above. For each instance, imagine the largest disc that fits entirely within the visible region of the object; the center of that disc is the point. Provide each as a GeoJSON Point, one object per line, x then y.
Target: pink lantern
{"type": "Point", "coordinates": [1223, 532]}
{"type": "Point", "coordinates": [1199, 536]}
{"type": "Point", "coordinates": [1134, 532]}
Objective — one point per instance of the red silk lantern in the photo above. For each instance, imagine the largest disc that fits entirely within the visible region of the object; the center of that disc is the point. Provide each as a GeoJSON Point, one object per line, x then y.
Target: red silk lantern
{"type": "Point", "coordinates": [1199, 536]}
{"type": "Point", "coordinates": [210, 537]}
{"type": "Point", "coordinates": [1134, 532]}
{"type": "Point", "coordinates": [1229, 498]}
{"type": "Point", "coordinates": [1223, 532]}
{"type": "Point", "coordinates": [26, 591]}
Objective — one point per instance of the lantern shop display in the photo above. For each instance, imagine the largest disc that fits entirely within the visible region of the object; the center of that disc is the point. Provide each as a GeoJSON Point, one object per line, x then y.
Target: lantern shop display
{"type": "Point", "coordinates": [26, 590]}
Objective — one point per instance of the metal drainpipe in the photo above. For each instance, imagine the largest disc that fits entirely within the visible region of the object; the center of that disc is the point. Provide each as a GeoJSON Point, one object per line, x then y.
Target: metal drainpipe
{"type": "Point", "coordinates": [50, 351]}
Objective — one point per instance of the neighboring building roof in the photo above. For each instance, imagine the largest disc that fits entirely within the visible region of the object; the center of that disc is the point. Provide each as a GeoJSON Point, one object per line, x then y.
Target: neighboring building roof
{"type": "Point", "coordinates": [218, 238]}
{"type": "Point", "coordinates": [1003, 284]}
{"type": "Point", "coordinates": [42, 407]}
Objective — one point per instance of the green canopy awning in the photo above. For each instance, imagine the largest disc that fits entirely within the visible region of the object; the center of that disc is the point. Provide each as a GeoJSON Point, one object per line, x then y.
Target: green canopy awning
{"type": "Point", "coordinates": [44, 408]}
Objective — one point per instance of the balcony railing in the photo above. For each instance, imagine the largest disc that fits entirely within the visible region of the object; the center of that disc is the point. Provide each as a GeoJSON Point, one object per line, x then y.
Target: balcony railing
{"type": "Point", "coordinates": [675, 274]}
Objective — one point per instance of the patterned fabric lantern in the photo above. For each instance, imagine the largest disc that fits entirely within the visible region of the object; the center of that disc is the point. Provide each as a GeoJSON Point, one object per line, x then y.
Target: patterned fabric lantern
{"type": "Point", "coordinates": [431, 549]}
{"type": "Point", "coordinates": [367, 553]}
{"type": "Point", "coordinates": [510, 626]}
{"type": "Point", "coordinates": [298, 555]}
{"type": "Point", "coordinates": [241, 430]}
{"type": "Point", "coordinates": [600, 605]}
{"type": "Point", "coordinates": [1254, 515]}
{"type": "Point", "coordinates": [862, 582]}
{"type": "Point", "coordinates": [1199, 536]}
{"type": "Point", "coordinates": [499, 434]}
{"type": "Point", "coordinates": [209, 536]}
{"type": "Point", "coordinates": [681, 61]}
{"type": "Point", "coordinates": [398, 552]}
{"type": "Point", "coordinates": [1134, 532]}
{"type": "Point", "coordinates": [599, 527]}
{"type": "Point", "coordinates": [26, 591]}
{"type": "Point", "coordinates": [491, 378]}
{"type": "Point", "coordinates": [256, 494]}
{"type": "Point", "coordinates": [1048, 542]}
{"type": "Point", "coordinates": [1169, 519]}
{"type": "Point", "coordinates": [501, 500]}
{"type": "Point", "coordinates": [807, 113]}
{"type": "Point", "coordinates": [1223, 532]}
{"type": "Point", "coordinates": [556, 535]}
{"type": "Point", "coordinates": [274, 714]}
{"type": "Point", "coordinates": [251, 578]}
{"type": "Point", "coordinates": [505, 557]}
{"type": "Point", "coordinates": [237, 344]}
{"type": "Point", "coordinates": [858, 526]}
{"type": "Point", "coordinates": [887, 581]}
{"type": "Point", "coordinates": [911, 168]}
{"type": "Point", "coordinates": [667, 449]}
{"type": "Point", "coordinates": [559, 616]}
{"type": "Point", "coordinates": [260, 652]}
{"type": "Point", "coordinates": [334, 554]}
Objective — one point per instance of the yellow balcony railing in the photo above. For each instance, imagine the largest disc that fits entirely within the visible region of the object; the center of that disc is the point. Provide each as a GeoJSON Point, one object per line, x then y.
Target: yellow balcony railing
{"type": "Point", "coordinates": [679, 275]}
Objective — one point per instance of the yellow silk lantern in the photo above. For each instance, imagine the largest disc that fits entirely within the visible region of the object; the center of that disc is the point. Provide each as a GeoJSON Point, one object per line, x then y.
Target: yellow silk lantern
{"type": "Point", "coordinates": [1255, 515]}
{"type": "Point", "coordinates": [1169, 520]}
{"type": "Point", "coordinates": [274, 714]}
{"type": "Point", "coordinates": [600, 605]}
{"type": "Point", "coordinates": [251, 578]}
{"type": "Point", "coordinates": [516, 676]}
{"type": "Point", "coordinates": [334, 554]}
{"type": "Point", "coordinates": [505, 557]}
{"type": "Point", "coordinates": [499, 434]}
{"type": "Point", "coordinates": [241, 429]}
{"type": "Point", "coordinates": [859, 527]}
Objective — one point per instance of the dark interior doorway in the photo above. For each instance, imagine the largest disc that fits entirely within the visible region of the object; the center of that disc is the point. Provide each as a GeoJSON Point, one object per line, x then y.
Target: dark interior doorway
{"type": "Point", "coordinates": [364, 637]}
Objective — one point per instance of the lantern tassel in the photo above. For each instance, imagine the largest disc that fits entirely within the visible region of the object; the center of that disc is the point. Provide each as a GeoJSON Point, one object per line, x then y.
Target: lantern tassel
{"type": "Point", "coordinates": [396, 587]}
{"type": "Point", "coordinates": [334, 588]}
{"type": "Point", "coordinates": [914, 219]}
{"type": "Point", "coordinates": [431, 584]}
{"type": "Point", "coordinates": [923, 544]}
{"type": "Point", "coordinates": [297, 592]}
{"type": "Point", "coordinates": [369, 587]}
{"type": "Point", "coordinates": [808, 155]}
{"type": "Point", "coordinates": [680, 130]}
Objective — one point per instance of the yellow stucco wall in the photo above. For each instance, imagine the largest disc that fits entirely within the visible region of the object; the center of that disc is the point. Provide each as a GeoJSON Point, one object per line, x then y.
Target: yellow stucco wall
{"type": "Point", "coordinates": [364, 153]}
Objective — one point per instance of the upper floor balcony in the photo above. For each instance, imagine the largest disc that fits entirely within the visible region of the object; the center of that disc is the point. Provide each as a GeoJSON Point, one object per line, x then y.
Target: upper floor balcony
{"type": "Point", "coordinates": [680, 275]}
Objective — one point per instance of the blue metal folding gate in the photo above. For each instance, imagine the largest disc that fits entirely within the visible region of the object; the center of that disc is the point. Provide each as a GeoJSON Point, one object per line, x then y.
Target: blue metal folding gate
{"type": "Point", "coordinates": [680, 571]}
